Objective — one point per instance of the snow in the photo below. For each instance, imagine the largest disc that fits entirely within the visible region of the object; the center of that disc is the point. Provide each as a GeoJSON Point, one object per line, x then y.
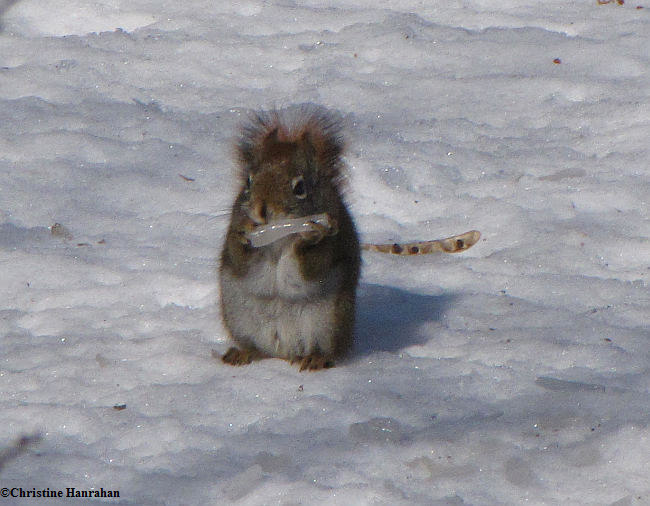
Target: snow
{"type": "Point", "coordinates": [516, 372]}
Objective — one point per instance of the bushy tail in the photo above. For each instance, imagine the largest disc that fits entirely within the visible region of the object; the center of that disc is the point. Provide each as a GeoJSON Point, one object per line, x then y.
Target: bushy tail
{"type": "Point", "coordinates": [454, 244]}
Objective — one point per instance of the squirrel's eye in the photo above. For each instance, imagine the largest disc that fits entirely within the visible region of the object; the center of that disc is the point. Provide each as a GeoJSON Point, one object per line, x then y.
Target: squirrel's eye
{"type": "Point", "coordinates": [249, 182]}
{"type": "Point", "coordinates": [298, 186]}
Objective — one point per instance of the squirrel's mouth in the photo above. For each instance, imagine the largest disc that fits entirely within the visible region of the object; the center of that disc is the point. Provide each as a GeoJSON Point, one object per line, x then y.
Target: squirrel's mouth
{"type": "Point", "coordinates": [263, 214]}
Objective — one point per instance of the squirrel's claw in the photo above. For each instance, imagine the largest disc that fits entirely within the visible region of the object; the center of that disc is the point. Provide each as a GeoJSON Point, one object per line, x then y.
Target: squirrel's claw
{"type": "Point", "coordinates": [313, 363]}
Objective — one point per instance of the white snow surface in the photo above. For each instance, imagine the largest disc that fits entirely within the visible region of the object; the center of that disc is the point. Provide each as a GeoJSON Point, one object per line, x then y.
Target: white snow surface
{"type": "Point", "coordinates": [517, 372]}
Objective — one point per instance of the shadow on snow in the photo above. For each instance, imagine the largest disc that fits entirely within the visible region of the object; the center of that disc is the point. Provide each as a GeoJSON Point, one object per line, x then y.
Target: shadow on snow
{"type": "Point", "coordinates": [388, 318]}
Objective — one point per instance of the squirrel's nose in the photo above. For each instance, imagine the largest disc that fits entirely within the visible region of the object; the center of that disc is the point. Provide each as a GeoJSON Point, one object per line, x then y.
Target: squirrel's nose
{"type": "Point", "coordinates": [259, 214]}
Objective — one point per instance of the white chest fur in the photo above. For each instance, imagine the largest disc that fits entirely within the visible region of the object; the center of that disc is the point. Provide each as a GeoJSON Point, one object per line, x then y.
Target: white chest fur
{"type": "Point", "coordinates": [277, 274]}
{"type": "Point", "coordinates": [274, 308]}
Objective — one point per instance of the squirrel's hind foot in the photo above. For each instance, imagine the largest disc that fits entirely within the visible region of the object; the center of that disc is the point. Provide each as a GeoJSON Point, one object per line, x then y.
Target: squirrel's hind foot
{"type": "Point", "coordinates": [235, 356]}
{"type": "Point", "coordinates": [313, 363]}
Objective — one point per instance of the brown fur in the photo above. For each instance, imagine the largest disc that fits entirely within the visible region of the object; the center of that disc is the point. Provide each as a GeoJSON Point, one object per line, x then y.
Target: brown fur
{"type": "Point", "coordinates": [277, 149]}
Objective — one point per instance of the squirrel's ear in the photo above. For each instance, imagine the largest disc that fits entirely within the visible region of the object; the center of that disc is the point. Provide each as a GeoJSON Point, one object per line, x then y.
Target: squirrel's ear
{"type": "Point", "coordinates": [245, 152]}
{"type": "Point", "coordinates": [257, 136]}
{"type": "Point", "coordinates": [306, 143]}
{"type": "Point", "coordinates": [270, 141]}
{"type": "Point", "coordinates": [322, 143]}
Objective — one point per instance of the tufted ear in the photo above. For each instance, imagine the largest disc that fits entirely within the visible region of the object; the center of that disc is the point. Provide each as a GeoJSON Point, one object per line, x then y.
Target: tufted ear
{"type": "Point", "coordinates": [245, 152]}
{"type": "Point", "coordinates": [270, 141]}
{"type": "Point", "coordinates": [256, 136]}
{"type": "Point", "coordinates": [320, 139]}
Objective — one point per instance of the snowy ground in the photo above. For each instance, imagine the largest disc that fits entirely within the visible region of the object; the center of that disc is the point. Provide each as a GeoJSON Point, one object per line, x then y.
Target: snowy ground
{"type": "Point", "coordinates": [517, 372]}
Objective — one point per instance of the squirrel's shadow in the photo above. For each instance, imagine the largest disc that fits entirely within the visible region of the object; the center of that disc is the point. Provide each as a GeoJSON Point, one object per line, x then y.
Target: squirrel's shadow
{"type": "Point", "coordinates": [388, 318]}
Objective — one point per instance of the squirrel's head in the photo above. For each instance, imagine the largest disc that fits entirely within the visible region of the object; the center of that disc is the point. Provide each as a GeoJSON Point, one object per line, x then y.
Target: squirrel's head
{"type": "Point", "coordinates": [290, 165]}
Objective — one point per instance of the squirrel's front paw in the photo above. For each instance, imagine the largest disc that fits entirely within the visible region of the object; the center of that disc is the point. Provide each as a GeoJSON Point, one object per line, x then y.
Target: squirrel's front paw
{"type": "Point", "coordinates": [333, 228]}
{"type": "Point", "coordinates": [316, 234]}
{"type": "Point", "coordinates": [242, 238]}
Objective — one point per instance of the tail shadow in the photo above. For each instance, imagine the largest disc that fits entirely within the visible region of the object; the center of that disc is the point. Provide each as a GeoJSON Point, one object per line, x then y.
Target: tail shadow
{"type": "Point", "coordinates": [388, 318]}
